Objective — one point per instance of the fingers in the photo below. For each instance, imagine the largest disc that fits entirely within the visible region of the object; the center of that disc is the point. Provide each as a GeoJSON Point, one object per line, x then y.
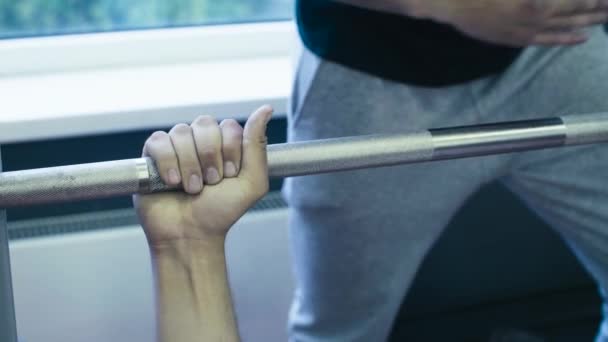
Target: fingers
{"type": "Point", "coordinates": [232, 139]}
{"type": "Point", "coordinates": [208, 141]}
{"type": "Point", "coordinates": [160, 149]}
{"type": "Point", "coordinates": [254, 164]}
{"type": "Point", "coordinates": [187, 158]}
{"type": "Point", "coordinates": [578, 6]}
{"type": "Point", "coordinates": [573, 18]}
{"type": "Point", "coordinates": [578, 21]}
{"type": "Point", "coordinates": [559, 38]}
{"type": "Point", "coordinates": [205, 152]}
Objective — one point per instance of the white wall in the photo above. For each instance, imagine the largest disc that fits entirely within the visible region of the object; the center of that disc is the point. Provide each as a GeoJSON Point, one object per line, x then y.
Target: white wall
{"type": "Point", "coordinates": [97, 287]}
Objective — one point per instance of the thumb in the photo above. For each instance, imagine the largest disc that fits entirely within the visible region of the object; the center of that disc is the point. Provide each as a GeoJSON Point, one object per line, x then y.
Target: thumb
{"type": "Point", "coordinates": [254, 163]}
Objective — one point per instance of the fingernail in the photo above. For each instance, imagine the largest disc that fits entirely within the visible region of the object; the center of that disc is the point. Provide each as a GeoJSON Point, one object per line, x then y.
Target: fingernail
{"type": "Point", "coordinates": [229, 169]}
{"type": "Point", "coordinates": [174, 176]}
{"type": "Point", "coordinates": [212, 176]}
{"type": "Point", "coordinates": [195, 185]}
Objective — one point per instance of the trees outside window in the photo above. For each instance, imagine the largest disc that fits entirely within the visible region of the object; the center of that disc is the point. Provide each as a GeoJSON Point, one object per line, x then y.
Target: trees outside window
{"type": "Point", "coordinates": [24, 18]}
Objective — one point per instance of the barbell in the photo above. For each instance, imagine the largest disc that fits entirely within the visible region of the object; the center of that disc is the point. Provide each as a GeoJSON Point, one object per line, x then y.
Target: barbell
{"type": "Point", "coordinates": [126, 177]}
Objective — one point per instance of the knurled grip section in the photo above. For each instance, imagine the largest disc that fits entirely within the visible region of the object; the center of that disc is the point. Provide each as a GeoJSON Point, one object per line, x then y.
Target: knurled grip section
{"type": "Point", "coordinates": [586, 128]}
{"type": "Point", "coordinates": [155, 182]}
{"type": "Point", "coordinates": [321, 156]}
{"type": "Point", "coordinates": [70, 183]}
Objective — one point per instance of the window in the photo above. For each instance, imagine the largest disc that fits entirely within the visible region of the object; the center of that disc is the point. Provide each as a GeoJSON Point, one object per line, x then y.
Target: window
{"type": "Point", "coordinates": [118, 61]}
{"type": "Point", "coordinates": [27, 18]}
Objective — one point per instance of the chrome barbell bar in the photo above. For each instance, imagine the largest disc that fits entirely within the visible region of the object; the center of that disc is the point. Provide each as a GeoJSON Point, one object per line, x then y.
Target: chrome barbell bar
{"type": "Point", "coordinates": [126, 177]}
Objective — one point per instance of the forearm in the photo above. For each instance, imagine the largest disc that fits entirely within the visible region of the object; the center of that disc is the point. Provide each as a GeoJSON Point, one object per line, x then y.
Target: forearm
{"type": "Point", "coordinates": [192, 292]}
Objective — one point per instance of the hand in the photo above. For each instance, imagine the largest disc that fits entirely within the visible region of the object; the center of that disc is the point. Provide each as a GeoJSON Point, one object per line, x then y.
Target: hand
{"type": "Point", "coordinates": [222, 169]}
{"type": "Point", "coordinates": [519, 22]}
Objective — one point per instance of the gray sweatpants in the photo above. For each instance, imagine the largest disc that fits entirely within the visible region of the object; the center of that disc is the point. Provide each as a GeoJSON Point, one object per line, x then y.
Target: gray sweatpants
{"type": "Point", "coordinates": [359, 237]}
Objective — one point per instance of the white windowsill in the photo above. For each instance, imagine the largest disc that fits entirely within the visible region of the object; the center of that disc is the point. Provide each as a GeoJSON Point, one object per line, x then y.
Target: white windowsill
{"type": "Point", "coordinates": [37, 106]}
{"type": "Point", "coordinates": [144, 47]}
{"type": "Point", "coordinates": [96, 102]}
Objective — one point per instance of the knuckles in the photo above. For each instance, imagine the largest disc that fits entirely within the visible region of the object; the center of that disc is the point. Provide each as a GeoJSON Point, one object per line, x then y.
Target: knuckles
{"type": "Point", "coordinates": [204, 120]}
{"type": "Point", "coordinates": [231, 129]}
{"type": "Point", "coordinates": [230, 123]}
{"type": "Point", "coordinates": [180, 129]}
{"type": "Point", "coordinates": [156, 141]}
{"type": "Point", "coordinates": [157, 136]}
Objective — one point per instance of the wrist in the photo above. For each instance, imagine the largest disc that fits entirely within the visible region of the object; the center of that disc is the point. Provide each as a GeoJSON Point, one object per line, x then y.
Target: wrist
{"type": "Point", "coordinates": [188, 249]}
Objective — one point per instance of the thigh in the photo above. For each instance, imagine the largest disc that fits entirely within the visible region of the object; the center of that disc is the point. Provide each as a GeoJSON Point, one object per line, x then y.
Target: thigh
{"type": "Point", "coordinates": [358, 237]}
{"type": "Point", "coordinates": [353, 264]}
{"type": "Point", "coordinates": [569, 190]}
{"type": "Point", "coordinates": [567, 187]}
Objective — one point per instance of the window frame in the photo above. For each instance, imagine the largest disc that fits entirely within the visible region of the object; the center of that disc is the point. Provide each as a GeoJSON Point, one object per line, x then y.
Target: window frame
{"type": "Point", "coordinates": [107, 82]}
{"type": "Point", "coordinates": [67, 53]}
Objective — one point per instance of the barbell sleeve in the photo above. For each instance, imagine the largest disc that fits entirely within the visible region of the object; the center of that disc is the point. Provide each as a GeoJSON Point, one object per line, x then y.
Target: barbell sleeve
{"type": "Point", "coordinates": [126, 177]}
